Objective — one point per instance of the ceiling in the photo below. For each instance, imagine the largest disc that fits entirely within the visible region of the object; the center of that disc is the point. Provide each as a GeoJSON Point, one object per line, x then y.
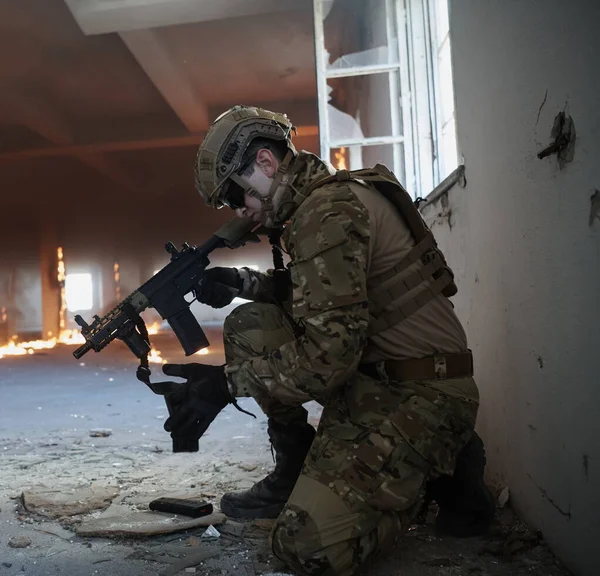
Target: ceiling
{"type": "Point", "coordinates": [103, 102]}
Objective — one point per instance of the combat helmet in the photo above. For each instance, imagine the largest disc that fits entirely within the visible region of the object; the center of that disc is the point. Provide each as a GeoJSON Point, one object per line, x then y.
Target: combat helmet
{"type": "Point", "coordinates": [220, 155]}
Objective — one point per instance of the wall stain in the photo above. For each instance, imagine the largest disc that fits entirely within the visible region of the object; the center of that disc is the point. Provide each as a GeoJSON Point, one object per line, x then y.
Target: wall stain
{"type": "Point", "coordinates": [563, 135]}
{"type": "Point", "coordinates": [586, 466]}
{"type": "Point", "coordinates": [595, 208]}
{"type": "Point", "coordinates": [566, 514]}
{"type": "Point", "coordinates": [445, 214]}
{"type": "Point", "coordinates": [541, 106]}
{"type": "Point", "coordinates": [540, 362]}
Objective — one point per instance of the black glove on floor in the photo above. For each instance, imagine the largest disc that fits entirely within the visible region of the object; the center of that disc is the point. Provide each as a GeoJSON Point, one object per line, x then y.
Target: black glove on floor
{"type": "Point", "coordinates": [219, 286]}
{"type": "Point", "coordinates": [198, 401]}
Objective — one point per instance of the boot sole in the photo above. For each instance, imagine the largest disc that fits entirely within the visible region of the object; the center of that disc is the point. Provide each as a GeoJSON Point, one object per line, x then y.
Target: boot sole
{"type": "Point", "coordinates": [266, 512]}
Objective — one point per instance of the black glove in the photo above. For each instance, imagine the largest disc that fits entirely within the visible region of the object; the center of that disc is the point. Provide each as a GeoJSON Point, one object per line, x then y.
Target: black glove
{"type": "Point", "coordinates": [195, 403]}
{"type": "Point", "coordinates": [219, 286]}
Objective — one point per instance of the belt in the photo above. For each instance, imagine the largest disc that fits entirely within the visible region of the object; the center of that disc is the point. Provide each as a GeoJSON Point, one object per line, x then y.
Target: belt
{"type": "Point", "coordinates": [438, 367]}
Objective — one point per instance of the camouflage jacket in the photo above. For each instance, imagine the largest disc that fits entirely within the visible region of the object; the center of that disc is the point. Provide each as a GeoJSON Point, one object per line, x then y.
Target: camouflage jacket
{"type": "Point", "coordinates": [327, 239]}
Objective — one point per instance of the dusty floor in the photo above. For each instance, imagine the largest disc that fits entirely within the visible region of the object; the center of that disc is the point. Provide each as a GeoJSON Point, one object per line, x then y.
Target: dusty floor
{"type": "Point", "coordinates": [49, 404]}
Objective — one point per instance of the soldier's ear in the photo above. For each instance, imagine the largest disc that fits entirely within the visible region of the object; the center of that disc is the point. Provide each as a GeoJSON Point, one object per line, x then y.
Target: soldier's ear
{"type": "Point", "coordinates": [267, 162]}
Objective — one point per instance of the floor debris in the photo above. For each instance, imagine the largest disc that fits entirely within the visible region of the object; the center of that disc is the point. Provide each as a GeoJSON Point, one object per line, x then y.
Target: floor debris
{"type": "Point", "coordinates": [57, 468]}
{"type": "Point", "coordinates": [19, 542]}
{"type": "Point", "coordinates": [144, 523]}
{"type": "Point", "coordinates": [100, 432]}
{"type": "Point", "coordinates": [211, 532]}
{"type": "Point", "coordinates": [68, 502]}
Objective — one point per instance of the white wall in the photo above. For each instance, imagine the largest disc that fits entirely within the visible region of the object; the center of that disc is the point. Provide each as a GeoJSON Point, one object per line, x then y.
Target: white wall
{"type": "Point", "coordinates": [526, 257]}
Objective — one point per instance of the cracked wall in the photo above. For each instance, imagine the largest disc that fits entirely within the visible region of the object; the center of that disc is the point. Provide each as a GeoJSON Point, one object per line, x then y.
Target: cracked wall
{"type": "Point", "coordinates": [525, 247]}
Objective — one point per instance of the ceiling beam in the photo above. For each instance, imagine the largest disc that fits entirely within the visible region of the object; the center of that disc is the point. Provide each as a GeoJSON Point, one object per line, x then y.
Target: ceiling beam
{"type": "Point", "coordinates": [102, 17]}
{"type": "Point", "coordinates": [34, 113]}
{"type": "Point", "coordinates": [169, 76]}
{"type": "Point", "coordinates": [125, 146]}
{"type": "Point", "coordinates": [111, 169]}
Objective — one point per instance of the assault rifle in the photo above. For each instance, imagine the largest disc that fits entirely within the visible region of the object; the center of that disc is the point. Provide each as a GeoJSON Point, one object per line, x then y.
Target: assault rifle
{"type": "Point", "coordinates": [165, 292]}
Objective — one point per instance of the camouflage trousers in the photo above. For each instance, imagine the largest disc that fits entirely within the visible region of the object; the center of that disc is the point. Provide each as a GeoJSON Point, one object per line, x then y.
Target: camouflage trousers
{"type": "Point", "coordinates": [377, 444]}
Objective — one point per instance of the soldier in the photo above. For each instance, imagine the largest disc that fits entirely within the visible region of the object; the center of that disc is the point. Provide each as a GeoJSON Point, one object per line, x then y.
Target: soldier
{"type": "Point", "coordinates": [358, 321]}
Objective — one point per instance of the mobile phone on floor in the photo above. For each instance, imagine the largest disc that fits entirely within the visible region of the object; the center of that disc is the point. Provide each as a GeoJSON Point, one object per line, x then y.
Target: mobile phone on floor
{"type": "Point", "coordinates": [183, 506]}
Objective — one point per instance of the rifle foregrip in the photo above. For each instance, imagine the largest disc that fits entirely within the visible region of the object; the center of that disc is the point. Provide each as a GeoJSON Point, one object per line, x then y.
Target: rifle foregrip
{"type": "Point", "coordinates": [188, 331]}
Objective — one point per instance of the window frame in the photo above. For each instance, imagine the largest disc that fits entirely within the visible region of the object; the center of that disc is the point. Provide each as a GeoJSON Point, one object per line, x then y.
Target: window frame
{"type": "Point", "coordinates": [415, 101]}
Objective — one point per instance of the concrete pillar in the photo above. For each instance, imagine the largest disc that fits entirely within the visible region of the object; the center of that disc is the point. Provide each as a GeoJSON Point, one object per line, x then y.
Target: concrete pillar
{"type": "Point", "coordinates": [8, 309]}
{"type": "Point", "coordinates": [51, 287]}
{"type": "Point", "coordinates": [4, 329]}
{"type": "Point", "coordinates": [108, 289]}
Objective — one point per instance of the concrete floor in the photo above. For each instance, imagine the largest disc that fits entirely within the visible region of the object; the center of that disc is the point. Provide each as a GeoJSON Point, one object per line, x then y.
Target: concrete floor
{"type": "Point", "coordinates": [50, 402]}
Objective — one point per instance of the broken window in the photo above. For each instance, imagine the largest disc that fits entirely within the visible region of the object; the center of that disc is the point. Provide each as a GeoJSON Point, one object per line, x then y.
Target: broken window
{"type": "Point", "coordinates": [385, 87]}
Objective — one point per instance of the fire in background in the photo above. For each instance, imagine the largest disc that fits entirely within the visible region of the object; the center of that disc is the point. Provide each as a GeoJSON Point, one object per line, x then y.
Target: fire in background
{"type": "Point", "coordinates": [341, 158]}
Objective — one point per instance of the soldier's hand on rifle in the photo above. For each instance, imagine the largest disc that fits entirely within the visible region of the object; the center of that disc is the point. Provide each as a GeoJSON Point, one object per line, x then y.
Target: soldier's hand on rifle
{"type": "Point", "coordinates": [195, 403]}
{"type": "Point", "coordinates": [219, 286]}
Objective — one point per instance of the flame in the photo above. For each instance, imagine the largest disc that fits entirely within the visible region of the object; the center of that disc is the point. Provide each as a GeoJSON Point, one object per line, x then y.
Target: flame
{"type": "Point", "coordinates": [154, 328]}
{"type": "Point", "coordinates": [12, 349]}
{"type": "Point", "coordinates": [340, 159]}
{"type": "Point", "coordinates": [3, 314]}
{"type": "Point", "coordinates": [117, 276]}
{"type": "Point", "coordinates": [71, 337]}
{"type": "Point", "coordinates": [155, 358]}
{"type": "Point", "coordinates": [61, 277]}
{"type": "Point", "coordinates": [16, 348]}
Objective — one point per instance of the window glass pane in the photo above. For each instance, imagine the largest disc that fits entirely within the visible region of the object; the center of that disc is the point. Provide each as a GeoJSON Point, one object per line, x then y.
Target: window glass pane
{"type": "Point", "coordinates": [447, 147]}
{"type": "Point", "coordinates": [357, 157]}
{"type": "Point", "coordinates": [359, 33]}
{"type": "Point", "coordinates": [361, 106]}
{"type": "Point", "coordinates": [446, 87]}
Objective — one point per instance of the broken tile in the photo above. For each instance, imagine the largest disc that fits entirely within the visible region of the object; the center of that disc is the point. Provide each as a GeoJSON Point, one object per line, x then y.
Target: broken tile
{"type": "Point", "coordinates": [68, 502]}
{"type": "Point", "coordinates": [144, 523]}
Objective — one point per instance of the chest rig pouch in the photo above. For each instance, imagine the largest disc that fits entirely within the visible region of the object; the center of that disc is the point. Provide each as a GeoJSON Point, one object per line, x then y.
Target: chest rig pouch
{"type": "Point", "coordinates": [433, 274]}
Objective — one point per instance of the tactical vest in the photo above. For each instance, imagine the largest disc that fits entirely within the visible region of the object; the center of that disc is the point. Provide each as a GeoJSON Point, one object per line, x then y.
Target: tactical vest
{"type": "Point", "coordinates": [434, 269]}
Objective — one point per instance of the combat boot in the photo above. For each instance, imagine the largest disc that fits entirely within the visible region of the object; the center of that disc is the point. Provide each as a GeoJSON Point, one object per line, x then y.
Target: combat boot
{"type": "Point", "coordinates": [267, 498]}
{"type": "Point", "coordinates": [466, 506]}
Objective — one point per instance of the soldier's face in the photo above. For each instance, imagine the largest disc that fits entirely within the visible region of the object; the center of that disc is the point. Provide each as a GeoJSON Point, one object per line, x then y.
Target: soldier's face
{"type": "Point", "coordinates": [261, 179]}
{"type": "Point", "coordinates": [252, 208]}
